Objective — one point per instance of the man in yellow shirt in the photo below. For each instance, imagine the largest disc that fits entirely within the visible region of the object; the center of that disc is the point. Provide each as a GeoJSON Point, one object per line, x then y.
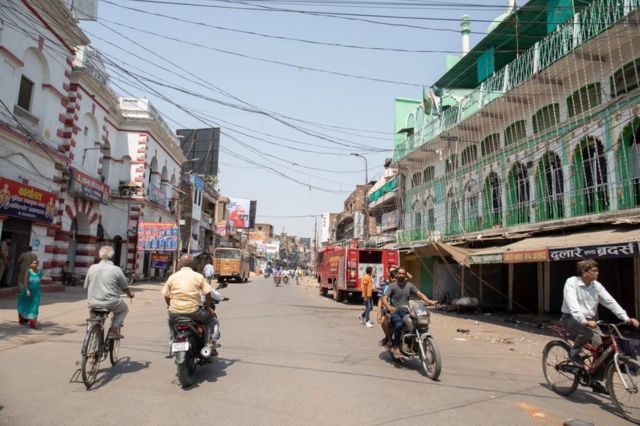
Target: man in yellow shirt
{"type": "Point", "coordinates": [183, 293]}
{"type": "Point", "coordinates": [366, 296]}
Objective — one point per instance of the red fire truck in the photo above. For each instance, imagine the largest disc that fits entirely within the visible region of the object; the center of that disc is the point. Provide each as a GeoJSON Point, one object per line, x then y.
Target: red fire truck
{"type": "Point", "coordinates": [340, 268]}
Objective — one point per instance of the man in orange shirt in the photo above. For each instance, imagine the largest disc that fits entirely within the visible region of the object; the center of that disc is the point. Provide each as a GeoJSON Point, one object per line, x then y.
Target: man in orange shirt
{"type": "Point", "coordinates": [366, 295]}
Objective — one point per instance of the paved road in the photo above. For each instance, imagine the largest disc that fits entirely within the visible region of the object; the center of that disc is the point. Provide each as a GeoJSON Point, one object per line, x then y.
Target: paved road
{"type": "Point", "coordinates": [289, 356]}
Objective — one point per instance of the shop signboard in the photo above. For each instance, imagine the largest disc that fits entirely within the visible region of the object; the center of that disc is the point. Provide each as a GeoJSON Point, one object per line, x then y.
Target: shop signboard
{"type": "Point", "coordinates": [484, 259]}
{"type": "Point", "coordinates": [389, 220]}
{"type": "Point", "coordinates": [157, 236]}
{"type": "Point", "coordinates": [160, 260]}
{"type": "Point", "coordinates": [158, 195]}
{"type": "Point", "coordinates": [526, 256]}
{"type": "Point", "coordinates": [601, 251]}
{"type": "Point", "coordinates": [26, 202]}
{"type": "Point", "coordinates": [85, 186]}
{"type": "Point", "coordinates": [221, 229]}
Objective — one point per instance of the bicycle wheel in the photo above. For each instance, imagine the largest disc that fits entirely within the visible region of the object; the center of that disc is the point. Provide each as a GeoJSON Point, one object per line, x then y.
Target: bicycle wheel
{"type": "Point", "coordinates": [114, 350]}
{"type": "Point", "coordinates": [91, 356]}
{"type": "Point", "coordinates": [430, 358]}
{"type": "Point", "coordinates": [555, 356]}
{"type": "Point", "coordinates": [626, 398]}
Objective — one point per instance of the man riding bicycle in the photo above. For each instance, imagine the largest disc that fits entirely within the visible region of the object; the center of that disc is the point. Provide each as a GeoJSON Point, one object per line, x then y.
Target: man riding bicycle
{"type": "Point", "coordinates": [582, 294]}
{"type": "Point", "coordinates": [104, 283]}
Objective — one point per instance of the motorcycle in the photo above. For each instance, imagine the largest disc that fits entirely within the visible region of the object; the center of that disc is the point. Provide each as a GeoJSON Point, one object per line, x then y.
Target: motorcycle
{"type": "Point", "coordinates": [286, 279]}
{"type": "Point", "coordinates": [417, 341]}
{"type": "Point", "coordinates": [276, 279]}
{"type": "Point", "coordinates": [188, 347]}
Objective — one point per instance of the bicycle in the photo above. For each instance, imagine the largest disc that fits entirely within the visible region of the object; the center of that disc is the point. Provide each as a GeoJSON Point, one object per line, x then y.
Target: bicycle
{"type": "Point", "coordinates": [614, 360]}
{"type": "Point", "coordinates": [95, 348]}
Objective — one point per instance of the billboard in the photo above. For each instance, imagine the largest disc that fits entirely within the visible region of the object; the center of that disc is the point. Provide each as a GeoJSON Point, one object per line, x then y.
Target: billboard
{"type": "Point", "coordinates": [157, 236]}
{"type": "Point", "coordinates": [325, 228]}
{"type": "Point", "coordinates": [358, 225]}
{"type": "Point", "coordinates": [238, 213]}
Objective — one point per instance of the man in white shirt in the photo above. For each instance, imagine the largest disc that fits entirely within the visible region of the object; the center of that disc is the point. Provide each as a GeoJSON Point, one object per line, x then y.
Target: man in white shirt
{"type": "Point", "coordinates": [582, 294]}
{"type": "Point", "coordinates": [208, 271]}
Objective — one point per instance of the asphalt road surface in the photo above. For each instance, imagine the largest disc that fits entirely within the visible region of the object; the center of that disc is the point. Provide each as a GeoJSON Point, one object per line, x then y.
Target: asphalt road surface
{"type": "Point", "coordinates": [289, 356]}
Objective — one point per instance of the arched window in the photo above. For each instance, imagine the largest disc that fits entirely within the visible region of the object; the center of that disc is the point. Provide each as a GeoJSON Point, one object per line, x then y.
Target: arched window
{"type": "Point", "coordinates": [490, 144]}
{"type": "Point", "coordinates": [492, 202]}
{"type": "Point", "coordinates": [416, 208]}
{"type": "Point", "coordinates": [549, 188]}
{"type": "Point", "coordinates": [471, 207]}
{"type": "Point", "coordinates": [625, 79]}
{"type": "Point", "coordinates": [590, 177]}
{"type": "Point", "coordinates": [546, 117]}
{"type": "Point", "coordinates": [584, 99]}
{"type": "Point", "coordinates": [469, 155]}
{"type": "Point", "coordinates": [518, 195]}
{"type": "Point", "coordinates": [453, 218]}
{"type": "Point", "coordinates": [430, 208]}
{"type": "Point", "coordinates": [516, 132]}
{"type": "Point", "coordinates": [428, 173]}
{"type": "Point", "coordinates": [628, 166]}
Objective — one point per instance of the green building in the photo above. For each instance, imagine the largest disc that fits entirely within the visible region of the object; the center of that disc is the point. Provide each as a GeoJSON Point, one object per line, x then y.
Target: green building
{"type": "Point", "coordinates": [525, 157]}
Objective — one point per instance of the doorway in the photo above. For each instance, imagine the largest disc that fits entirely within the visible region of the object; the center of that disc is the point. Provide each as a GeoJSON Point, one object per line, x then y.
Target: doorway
{"type": "Point", "coordinates": [19, 231]}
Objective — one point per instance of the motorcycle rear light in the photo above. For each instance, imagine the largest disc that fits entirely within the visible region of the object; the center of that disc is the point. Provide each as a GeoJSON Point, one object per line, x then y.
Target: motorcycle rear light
{"type": "Point", "coordinates": [182, 327]}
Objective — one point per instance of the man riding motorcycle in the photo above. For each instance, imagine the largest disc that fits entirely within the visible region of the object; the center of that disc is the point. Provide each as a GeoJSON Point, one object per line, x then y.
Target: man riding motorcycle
{"type": "Point", "coordinates": [183, 292]}
{"type": "Point", "coordinates": [400, 293]}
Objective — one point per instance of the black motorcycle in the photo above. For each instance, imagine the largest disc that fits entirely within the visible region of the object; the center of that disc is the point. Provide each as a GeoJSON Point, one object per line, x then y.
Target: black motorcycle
{"type": "Point", "coordinates": [188, 347]}
{"type": "Point", "coordinates": [417, 341]}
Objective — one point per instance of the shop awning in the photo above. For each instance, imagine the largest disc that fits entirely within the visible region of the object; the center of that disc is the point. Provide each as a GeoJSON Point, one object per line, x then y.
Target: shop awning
{"type": "Point", "coordinates": [606, 243]}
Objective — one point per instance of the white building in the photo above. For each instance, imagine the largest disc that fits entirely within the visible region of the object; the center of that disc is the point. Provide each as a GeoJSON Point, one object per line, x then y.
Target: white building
{"type": "Point", "coordinates": [80, 165]}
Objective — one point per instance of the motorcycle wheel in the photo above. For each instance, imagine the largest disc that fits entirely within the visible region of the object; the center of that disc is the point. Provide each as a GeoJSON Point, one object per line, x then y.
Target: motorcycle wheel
{"type": "Point", "coordinates": [554, 356]}
{"type": "Point", "coordinates": [430, 358]}
{"type": "Point", "coordinates": [187, 368]}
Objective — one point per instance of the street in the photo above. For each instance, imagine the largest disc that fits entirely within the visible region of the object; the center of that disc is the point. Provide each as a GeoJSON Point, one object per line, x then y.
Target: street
{"type": "Point", "coordinates": [288, 356]}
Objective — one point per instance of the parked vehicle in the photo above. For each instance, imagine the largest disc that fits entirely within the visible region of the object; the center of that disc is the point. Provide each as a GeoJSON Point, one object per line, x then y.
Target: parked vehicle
{"type": "Point", "coordinates": [340, 269]}
{"type": "Point", "coordinates": [188, 347]}
{"type": "Point", "coordinates": [231, 264]}
{"type": "Point", "coordinates": [615, 361]}
{"type": "Point", "coordinates": [417, 341]}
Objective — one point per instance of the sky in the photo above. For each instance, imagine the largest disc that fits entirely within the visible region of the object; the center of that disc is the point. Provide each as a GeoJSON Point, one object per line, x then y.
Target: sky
{"type": "Point", "coordinates": [288, 131]}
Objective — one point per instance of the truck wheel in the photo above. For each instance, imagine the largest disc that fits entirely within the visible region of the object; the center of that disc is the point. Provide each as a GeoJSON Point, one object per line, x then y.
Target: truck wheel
{"type": "Point", "coordinates": [323, 291]}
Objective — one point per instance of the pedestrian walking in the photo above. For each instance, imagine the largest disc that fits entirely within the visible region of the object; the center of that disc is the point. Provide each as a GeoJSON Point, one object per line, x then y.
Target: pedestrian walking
{"type": "Point", "coordinates": [24, 262]}
{"type": "Point", "coordinates": [208, 271]}
{"type": "Point", "coordinates": [366, 295]}
{"type": "Point", "coordinates": [5, 247]}
{"type": "Point", "coordinates": [29, 300]}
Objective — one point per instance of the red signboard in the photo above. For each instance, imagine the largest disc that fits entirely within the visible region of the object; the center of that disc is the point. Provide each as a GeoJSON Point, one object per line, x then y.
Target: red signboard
{"type": "Point", "coordinates": [26, 202]}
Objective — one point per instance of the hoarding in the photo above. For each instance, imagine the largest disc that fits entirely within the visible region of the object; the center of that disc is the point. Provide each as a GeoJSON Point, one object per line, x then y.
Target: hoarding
{"type": "Point", "coordinates": [157, 236]}
{"type": "Point", "coordinates": [358, 225]}
{"type": "Point", "coordinates": [26, 202]}
{"type": "Point", "coordinates": [389, 220]}
{"type": "Point", "coordinates": [238, 211]}
{"type": "Point", "coordinates": [601, 251]}
{"type": "Point", "coordinates": [325, 228]}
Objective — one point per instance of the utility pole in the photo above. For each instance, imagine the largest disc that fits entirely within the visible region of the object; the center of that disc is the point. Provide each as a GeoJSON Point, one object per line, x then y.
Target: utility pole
{"type": "Point", "coordinates": [365, 234]}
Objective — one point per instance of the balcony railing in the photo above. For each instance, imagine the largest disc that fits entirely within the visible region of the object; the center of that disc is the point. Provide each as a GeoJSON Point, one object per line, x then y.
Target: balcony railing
{"type": "Point", "coordinates": [591, 22]}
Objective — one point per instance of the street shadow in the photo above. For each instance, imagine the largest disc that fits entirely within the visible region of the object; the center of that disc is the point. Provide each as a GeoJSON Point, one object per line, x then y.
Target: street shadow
{"type": "Point", "coordinates": [584, 396]}
{"type": "Point", "coordinates": [110, 373]}
{"type": "Point", "coordinates": [210, 372]}
{"type": "Point", "coordinates": [527, 324]}
{"type": "Point", "coordinates": [18, 334]}
{"type": "Point", "coordinates": [409, 363]}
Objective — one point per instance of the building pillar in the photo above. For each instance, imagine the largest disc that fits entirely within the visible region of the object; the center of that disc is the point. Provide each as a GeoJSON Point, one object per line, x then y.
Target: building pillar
{"type": "Point", "coordinates": [636, 285]}
{"type": "Point", "coordinates": [547, 286]}
{"type": "Point", "coordinates": [540, 274]}
{"type": "Point", "coordinates": [510, 291]}
{"type": "Point", "coordinates": [481, 286]}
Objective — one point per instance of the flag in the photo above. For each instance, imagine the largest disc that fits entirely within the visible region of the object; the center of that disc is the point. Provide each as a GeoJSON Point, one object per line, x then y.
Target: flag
{"type": "Point", "coordinates": [434, 102]}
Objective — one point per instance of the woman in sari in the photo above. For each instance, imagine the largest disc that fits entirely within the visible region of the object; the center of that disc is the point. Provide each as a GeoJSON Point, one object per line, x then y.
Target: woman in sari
{"type": "Point", "coordinates": [29, 301]}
